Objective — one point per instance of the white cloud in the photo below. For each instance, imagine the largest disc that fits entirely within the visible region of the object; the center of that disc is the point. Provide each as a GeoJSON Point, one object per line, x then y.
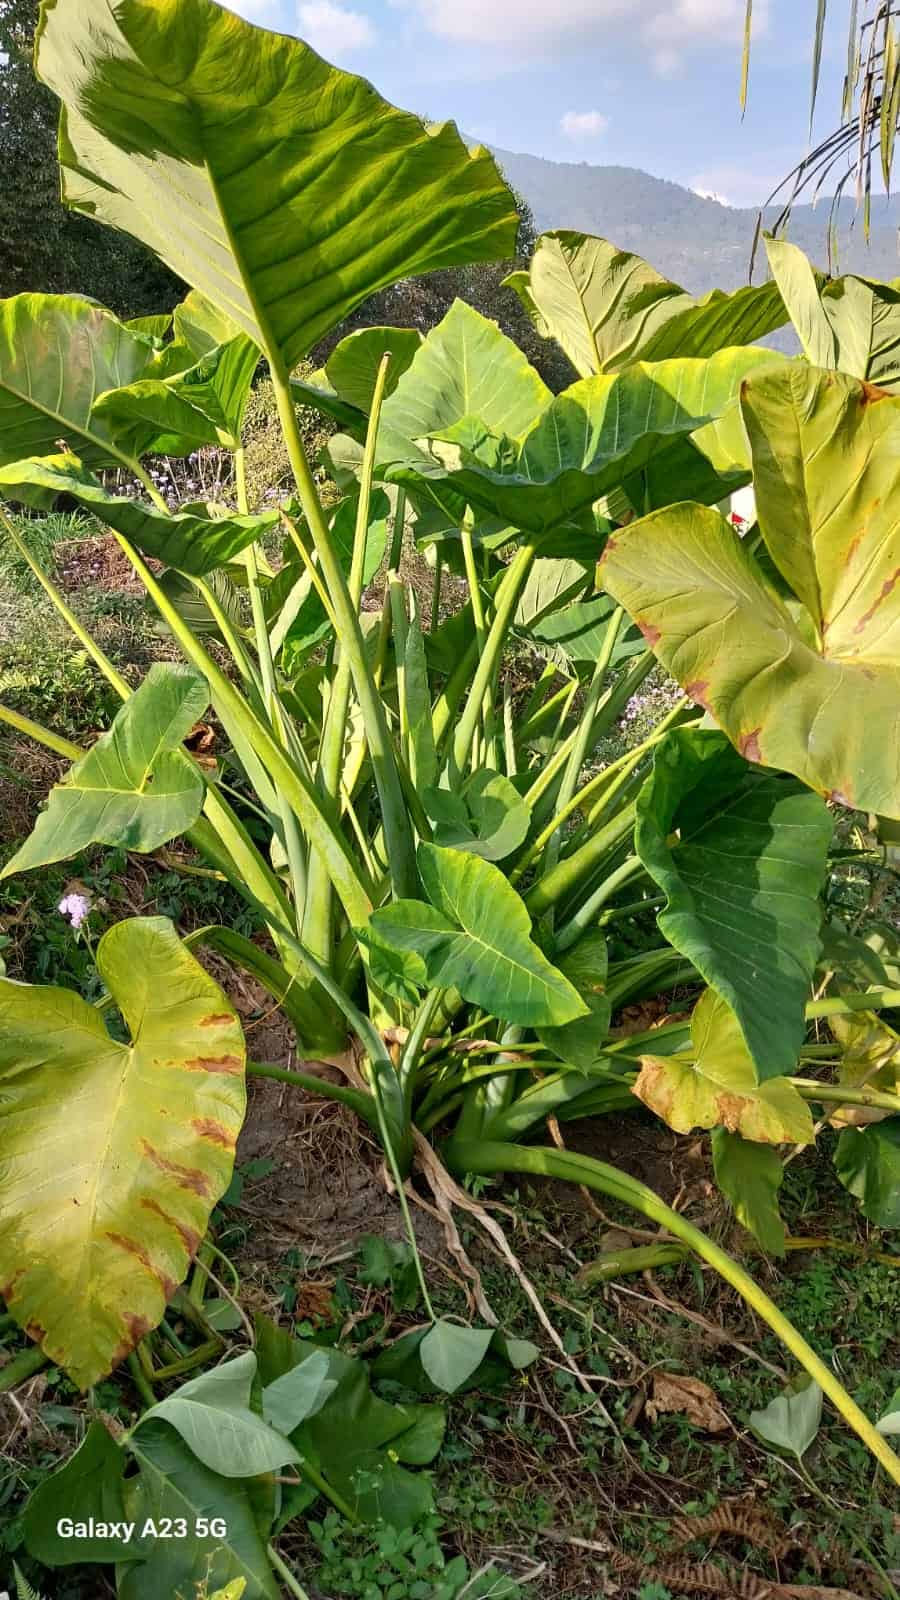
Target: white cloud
{"type": "Point", "coordinates": [583, 124]}
{"type": "Point", "coordinates": [332, 29]}
{"type": "Point", "coordinates": [263, 12]}
{"type": "Point", "coordinates": [526, 29]}
{"type": "Point", "coordinates": [712, 194]}
{"type": "Point", "coordinates": [742, 186]}
{"type": "Point", "coordinates": [668, 29]}
{"type": "Point", "coordinates": [675, 28]}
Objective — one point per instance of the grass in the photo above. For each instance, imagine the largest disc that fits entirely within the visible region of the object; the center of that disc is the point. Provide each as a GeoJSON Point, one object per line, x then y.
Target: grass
{"type": "Point", "coordinates": [43, 535]}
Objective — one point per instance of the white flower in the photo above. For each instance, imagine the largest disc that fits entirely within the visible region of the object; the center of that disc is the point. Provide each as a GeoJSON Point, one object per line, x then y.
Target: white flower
{"type": "Point", "coordinates": [75, 907]}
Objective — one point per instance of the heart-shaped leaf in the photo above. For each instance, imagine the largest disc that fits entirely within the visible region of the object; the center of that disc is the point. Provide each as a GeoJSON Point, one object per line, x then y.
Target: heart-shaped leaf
{"type": "Point", "coordinates": [813, 689]}
{"type": "Point", "coordinates": [134, 1143]}
{"type": "Point", "coordinates": [849, 323]}
{"type": "Point", "coordinates": [740, 854]}
{"type": "Point", "coordinates": [475, 937]}
{"type": "Point", "coordinates": [213, 1415]}
{"type": "Point", "coordinates": [286, 190]}
{"type": "Point", "coordinates": [193, 543]}
{"type": "Point", "coordinates": [486, 815]}
{"type": "Point", "coordinates": [352, 368]}
{"type": "Point", "coordinates": [609, 308]}
{"type": "Point", "coordinates": [450, 1354]}
{"type": "Point", "coordinates": [298, 1394]}
{"type": "Point", "coordinates": [714, 1084]}
{"type": "Point", "coordinates": [360, 1442]}
{"type": "Point", "coordinates": [136, 788]}
{"type": "Point", "coordinates": [471, 422]}
{"type": "Point", "coordinates": [791, 1421]}
{"type": "Point", "coordinates": [519, 453]}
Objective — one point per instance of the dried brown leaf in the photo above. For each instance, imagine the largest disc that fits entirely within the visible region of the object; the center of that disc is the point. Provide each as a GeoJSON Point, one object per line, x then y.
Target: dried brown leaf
{"type": "Point", "coordinates": [689, 1397]}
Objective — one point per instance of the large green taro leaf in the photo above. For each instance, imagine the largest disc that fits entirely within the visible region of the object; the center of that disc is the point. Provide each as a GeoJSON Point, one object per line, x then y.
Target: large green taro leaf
{"type": "Point", "coordinates": [475, 936]}
{"type": "Point", "coordinates": [850, 323]}
{"type": "Point", "coordinates": [286, 190]}
{"type": "Point", "coordinates": [715, 460]}
{"type": "Point", "coordinates": [136, 788]}
{"type": "Point", "coordinates": [465, 367]}
{"type": "Point", "coordinates": [113, 1154]}
{"type": "Point", "coordinates": [811, 688]}
{"type": "Point", "coordinates": [186, 540]}
{"type": "Point", "coordinates": [740, 854]}
{"type": "Point", "coordinates": [714, 1084]}
{"type": "Point", "coordinates": [174, 1486]}
{"type": "Point", "coordinates": [198, 395]}
{"type": "Point", "coordinates": [57, 354]}
{"type": "Point", "coordinates": [609, 308]}
{"type": "Point", "coordinates": [471, 421]}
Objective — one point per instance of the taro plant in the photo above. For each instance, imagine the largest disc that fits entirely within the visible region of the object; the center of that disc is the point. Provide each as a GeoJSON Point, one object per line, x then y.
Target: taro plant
{"type": "Point", "coordinates": [441, 868]}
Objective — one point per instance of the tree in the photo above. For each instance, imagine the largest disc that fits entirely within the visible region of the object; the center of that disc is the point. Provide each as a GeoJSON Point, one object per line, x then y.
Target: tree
{"type": "Point", "coordinates": [43, 246]}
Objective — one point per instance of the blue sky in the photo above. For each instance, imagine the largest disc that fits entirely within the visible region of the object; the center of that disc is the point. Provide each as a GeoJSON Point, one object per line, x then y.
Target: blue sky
{"type": "Point", "coordinates": [645, 83]}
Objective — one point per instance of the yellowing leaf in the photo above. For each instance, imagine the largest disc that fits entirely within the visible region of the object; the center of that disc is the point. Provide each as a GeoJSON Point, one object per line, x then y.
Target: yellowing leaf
{"type": "Point", "coordinates": [113, 1154]}
{"type": "Point", "coordinates": [714, 1084]}
{"type": "Point", "coordinates": [814, 691]}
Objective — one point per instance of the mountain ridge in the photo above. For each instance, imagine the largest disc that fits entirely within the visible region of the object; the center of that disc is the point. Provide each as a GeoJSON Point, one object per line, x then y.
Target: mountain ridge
{"type": "Point", "coordinates": [700, 243]}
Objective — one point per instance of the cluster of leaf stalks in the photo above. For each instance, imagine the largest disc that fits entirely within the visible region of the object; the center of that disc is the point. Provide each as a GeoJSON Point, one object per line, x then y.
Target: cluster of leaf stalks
{"type": "Point", "coordinates": [438, 871]}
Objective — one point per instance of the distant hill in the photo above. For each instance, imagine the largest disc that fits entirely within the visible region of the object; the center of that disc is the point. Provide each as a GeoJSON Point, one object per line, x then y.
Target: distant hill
{"type": "Point", "coordinates": [699, 243]}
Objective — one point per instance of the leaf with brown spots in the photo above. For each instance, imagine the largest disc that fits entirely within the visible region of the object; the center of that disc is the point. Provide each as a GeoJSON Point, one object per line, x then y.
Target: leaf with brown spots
{"type": "Point", "coordinates": [113, 1154]}
{"type": "Point", "coordinates": [811, 685]}
{"type": "Point", "coordinates": [714, 1084]}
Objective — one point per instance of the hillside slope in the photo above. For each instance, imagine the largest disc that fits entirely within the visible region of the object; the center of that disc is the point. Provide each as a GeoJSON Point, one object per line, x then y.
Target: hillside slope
{"type": "Point", "coordinates": [699, 243]}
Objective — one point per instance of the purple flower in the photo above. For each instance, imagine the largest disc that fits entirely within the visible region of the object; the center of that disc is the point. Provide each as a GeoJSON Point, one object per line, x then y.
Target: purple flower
{"type": "Point", "coordinates": [75, 907]}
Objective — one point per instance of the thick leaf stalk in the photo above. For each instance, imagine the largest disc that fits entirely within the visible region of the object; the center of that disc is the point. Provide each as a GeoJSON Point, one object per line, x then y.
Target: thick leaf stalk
{"type": "Point", "coordinates": [486, 1157]}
